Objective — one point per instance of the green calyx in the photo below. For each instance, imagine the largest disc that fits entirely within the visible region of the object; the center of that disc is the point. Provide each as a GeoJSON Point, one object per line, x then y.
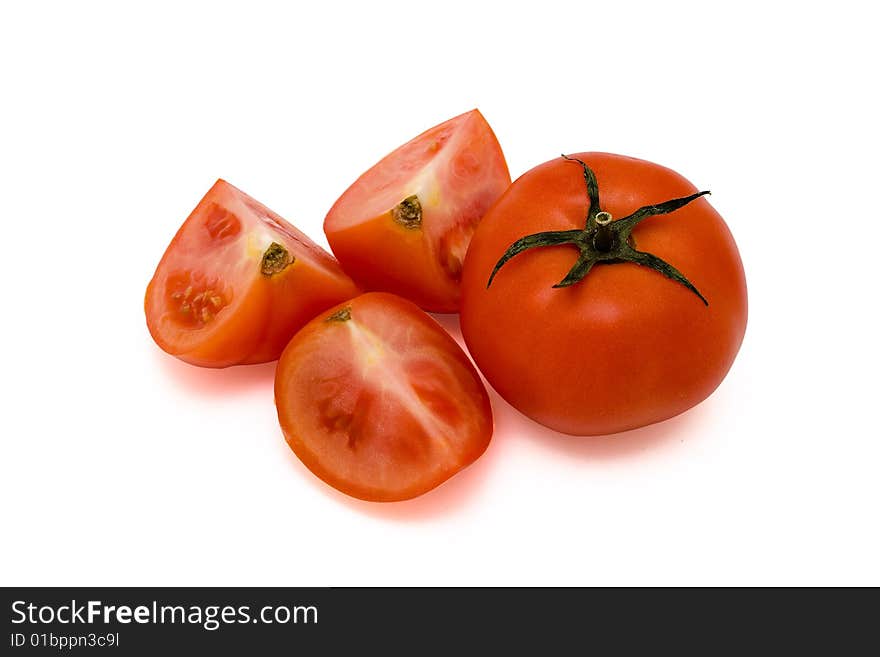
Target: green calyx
{"type": "Point", "coordinates": [603, 240]}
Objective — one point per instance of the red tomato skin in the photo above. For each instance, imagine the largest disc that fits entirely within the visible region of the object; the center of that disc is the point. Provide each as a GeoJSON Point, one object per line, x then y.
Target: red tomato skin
{"type": "Point", "coordinates": [626, 346]}
{"type": "Point", "coordinates": [308, 381]}
{"type": "Point", "coordinates": [268, 309]}
{"type": "Point", "coordinates": [423, 265]}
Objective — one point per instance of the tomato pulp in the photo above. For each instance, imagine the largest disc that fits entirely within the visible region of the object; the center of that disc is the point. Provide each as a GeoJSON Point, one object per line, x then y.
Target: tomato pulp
{"type": "Point", "coordinates": [599, 346]}
{"type": "Point", "coordinates": [404, 226]}
{"type": "Point", "coordinates": [237, 281]}
{"type": "Point", "coordinates": [379, 401]}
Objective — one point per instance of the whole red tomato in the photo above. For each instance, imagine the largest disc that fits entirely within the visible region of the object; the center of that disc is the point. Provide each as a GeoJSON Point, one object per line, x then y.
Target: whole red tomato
{"type": "Point", "coordinates": [617, 294]}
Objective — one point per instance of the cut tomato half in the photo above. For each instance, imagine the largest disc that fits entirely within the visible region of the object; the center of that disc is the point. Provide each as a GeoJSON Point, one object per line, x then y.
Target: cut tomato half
{"type": "Point", "coordinates": [379, 401]}
{"type": "Point", "coordinates": [237, 281]}
{"type": "Point", "coordinates": [404, 226]}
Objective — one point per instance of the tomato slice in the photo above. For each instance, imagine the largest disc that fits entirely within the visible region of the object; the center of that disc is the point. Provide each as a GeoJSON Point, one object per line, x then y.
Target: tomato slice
{"type": "Point", "coordinates": [237, 281]}
{"type": "Point", "coordinates": [404, 226]}
{"type": "Point", "coordinates": [379, 401]}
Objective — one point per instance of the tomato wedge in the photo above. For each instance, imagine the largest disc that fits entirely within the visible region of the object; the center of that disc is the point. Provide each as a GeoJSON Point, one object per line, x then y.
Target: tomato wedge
{"type": "Point", "coordinates": [404, 226]}
{"type": "Point", "coordinates": [379, 401]}
{"type": "Point", "coordinates": [237, 281]}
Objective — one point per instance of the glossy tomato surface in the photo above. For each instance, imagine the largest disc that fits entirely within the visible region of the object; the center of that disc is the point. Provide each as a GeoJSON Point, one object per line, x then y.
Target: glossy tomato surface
{"type": "Point", "coordinates": [626, 346]}
{"type": "Point", "coordinates": [404, 226]}
{"type": "Point", "coordinates": [379, 401]}
{"type": "Point", "coordinates": [237, 281]}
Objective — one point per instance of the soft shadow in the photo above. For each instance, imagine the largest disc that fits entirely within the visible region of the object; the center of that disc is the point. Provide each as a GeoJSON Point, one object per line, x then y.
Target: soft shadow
{"type": "Point", "coordinates": [453, 495]}
{"type": "Point", "coordinates": [630, 443]}
{"type": "Point", "coordinates": [211, 381]}
{"type": "Point", "coordinates": [450, 322]}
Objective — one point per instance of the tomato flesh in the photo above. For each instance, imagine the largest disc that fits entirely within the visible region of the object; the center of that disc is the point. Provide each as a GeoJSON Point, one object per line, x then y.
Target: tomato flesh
{"type": "Point", "coordinates": [379, 401]}
{"type": "Point", "coordinates": [237, 281]}
{"type": "Point", "coordinates": [404, 226]}
{"type": "Point", "coordinates": [626, 346]}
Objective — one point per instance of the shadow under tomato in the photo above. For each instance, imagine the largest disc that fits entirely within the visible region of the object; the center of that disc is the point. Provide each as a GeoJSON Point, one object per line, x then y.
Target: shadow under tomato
{"type": "Point", "coordinates": [212, 381]}
{"type": "Point", "coordinates": [451, 324]}
{"type": "Point", "coordinates": [613, 446]}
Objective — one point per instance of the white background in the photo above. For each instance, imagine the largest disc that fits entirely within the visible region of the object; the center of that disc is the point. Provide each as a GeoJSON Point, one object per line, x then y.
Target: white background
{"type": "Point", "coordinates": [123, 466]}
